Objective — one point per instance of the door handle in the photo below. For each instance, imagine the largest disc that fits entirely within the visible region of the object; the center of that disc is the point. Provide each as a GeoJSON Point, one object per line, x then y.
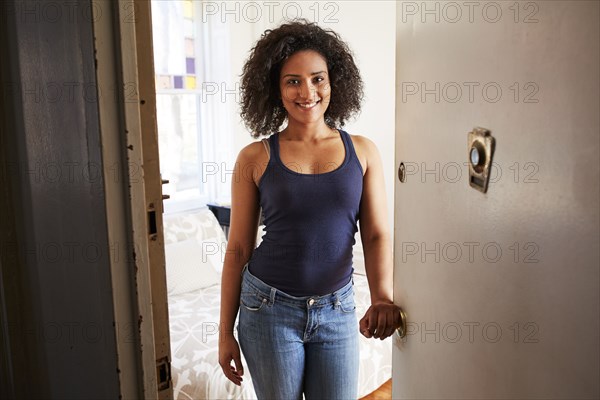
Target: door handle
{"type": "Point", "coordinates": [401, 330]}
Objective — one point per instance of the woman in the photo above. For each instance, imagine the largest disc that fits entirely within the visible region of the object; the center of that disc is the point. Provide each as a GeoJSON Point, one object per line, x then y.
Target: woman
{"type": "Point", "coordinates": [297, 322]}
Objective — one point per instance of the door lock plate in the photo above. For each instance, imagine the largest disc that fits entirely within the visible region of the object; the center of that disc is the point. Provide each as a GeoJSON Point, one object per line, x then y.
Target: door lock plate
{"type": "Point", "coordinates": [480, 147]}
{"type": "Point", "coordinates": [163, 373]}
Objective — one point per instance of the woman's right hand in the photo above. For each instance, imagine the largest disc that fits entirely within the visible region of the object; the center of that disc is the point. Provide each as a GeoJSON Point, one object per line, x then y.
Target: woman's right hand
{"type": "Point", "coordinates": [229, 350]}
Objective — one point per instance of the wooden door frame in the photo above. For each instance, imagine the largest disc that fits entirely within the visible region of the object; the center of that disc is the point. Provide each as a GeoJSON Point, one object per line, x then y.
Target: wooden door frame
{"type": "Point", "coordinates": [127, 109]}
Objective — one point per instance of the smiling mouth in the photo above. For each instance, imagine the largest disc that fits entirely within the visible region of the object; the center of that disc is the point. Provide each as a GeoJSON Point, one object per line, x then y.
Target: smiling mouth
{"type": "Point", "coordinates": [308, 106]}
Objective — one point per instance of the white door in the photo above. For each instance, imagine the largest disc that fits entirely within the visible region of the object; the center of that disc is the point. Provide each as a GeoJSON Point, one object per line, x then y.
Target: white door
{"type": "Point", "coordinates": [501, 289]}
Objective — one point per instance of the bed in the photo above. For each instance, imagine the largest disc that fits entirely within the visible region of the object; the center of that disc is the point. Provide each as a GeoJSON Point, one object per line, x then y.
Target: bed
{"type": "Point", "coordinates": [194, 245]}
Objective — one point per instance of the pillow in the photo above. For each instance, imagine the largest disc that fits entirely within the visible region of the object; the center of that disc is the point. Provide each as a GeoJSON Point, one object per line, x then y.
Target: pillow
{"type": "Point", "coordinates": [199, 224]}
{"type": "Point", "coordinates": [193, 265]}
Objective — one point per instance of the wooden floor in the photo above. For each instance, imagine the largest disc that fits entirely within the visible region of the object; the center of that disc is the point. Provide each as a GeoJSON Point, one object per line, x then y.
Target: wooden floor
{"type": "Point", "coordinates": [383, 393]}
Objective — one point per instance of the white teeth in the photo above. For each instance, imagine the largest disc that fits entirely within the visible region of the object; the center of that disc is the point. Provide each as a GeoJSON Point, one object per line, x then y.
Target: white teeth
{"type": "Point", "coordinates": [308, 105]}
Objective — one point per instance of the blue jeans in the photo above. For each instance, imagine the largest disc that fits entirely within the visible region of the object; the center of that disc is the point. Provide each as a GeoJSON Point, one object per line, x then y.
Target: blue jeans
{"type": "Point", "coordinates": [299, 345]}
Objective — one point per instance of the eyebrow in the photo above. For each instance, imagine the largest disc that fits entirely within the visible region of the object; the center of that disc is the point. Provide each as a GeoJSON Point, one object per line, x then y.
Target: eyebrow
{"type": "Point", "coordinates": [312, 73]}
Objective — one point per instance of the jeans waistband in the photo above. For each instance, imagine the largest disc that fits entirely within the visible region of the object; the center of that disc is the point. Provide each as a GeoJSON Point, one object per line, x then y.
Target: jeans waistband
{"type": "Point", "coordinates": [275, 294]}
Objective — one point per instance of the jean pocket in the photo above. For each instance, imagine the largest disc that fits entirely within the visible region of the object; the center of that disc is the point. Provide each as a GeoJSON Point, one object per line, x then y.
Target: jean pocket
{"type": "Point", "coordinates": [347, 305]}
{"type": "Point", "coordinates": [252, 301]}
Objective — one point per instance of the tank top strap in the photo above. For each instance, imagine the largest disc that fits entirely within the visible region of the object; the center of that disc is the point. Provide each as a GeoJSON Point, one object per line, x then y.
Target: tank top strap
{"type": "Point", "coordinates": [352, 156]}
{"type": "Point", "coordinates": [347, 140]}
{"type": "Point", "coordinates": [274, 147]}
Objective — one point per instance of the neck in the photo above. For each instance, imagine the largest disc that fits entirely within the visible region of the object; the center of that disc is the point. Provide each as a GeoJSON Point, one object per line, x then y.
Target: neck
{"type": "Point", "coordinates": [307, 132]}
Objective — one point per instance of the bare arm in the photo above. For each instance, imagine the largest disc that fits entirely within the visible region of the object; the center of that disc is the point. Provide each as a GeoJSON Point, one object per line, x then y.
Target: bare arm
{"type": "Point", "coordinates": [383, 316]}
{"type": "Point", "coordinates": [240, 244]}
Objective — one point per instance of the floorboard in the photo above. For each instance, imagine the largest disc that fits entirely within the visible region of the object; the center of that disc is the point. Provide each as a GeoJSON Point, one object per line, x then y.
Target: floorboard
{"type": "Point", "coordinates": [383, 393]}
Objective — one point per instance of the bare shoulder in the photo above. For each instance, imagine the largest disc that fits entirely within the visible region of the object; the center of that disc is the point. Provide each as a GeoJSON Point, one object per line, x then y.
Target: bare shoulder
{"type": "Point", "coordinates": [252, 160]}
{"type": "Point", "coordinates": [253, 153]}
{"type": "Point", "coordinates": [363, 143]}
{"type": "Point", "coordinates": [366, 150]}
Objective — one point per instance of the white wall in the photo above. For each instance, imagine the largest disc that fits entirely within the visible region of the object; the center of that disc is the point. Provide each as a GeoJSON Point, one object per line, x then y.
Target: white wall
{"type": "Point", "coordinates": [369, 29]}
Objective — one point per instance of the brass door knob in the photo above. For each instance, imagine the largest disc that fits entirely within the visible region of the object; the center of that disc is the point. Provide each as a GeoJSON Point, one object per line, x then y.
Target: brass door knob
{"type": "Point", "coordinates": [401, 330]}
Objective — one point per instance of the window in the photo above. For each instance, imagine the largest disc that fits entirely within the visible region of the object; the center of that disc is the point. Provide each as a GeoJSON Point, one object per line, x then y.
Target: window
{"type": "Point", "coordinates": [185, 54]}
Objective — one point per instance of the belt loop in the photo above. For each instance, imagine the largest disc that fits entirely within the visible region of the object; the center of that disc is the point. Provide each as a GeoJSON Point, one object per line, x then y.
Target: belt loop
{"type": "Point", "coordinates": [244, 269]}
{"type": "Point", "coordinates": [272, 297]}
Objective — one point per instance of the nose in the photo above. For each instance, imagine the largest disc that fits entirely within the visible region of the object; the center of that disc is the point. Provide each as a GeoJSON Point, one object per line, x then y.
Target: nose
{"type": "Point", "coordinates": [306, 90]}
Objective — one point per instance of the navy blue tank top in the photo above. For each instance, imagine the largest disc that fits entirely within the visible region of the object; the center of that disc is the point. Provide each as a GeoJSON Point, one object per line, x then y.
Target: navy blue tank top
{"type": "Point", "coordinates": [310, 223]}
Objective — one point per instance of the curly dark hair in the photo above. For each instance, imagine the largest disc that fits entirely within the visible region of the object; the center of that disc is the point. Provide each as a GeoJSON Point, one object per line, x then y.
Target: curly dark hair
{"type": "Point", "coordinates": [261, 108]}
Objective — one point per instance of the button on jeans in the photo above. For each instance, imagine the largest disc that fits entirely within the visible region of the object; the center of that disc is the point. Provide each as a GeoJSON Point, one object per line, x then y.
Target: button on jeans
{"type": "Point", "coordinates": [299, 345]}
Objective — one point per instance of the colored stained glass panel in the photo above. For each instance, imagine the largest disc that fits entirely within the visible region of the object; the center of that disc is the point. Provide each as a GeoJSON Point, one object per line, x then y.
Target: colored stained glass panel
{"type": "Point", "coordinates": [190, 65]}
{"type": "Point", "coordinates": [164, 82]}
{"type": "Point", "coordinates": [178, 82]}
{"type": "Point", "coordinates": [190, 82]}
{"type": "Point", "coordinates": [188, 9]}
{"type": "Point", "coordinates": [189, 47]}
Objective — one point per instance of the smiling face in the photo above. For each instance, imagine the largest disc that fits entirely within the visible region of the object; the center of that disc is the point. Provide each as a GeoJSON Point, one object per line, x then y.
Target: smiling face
{"type": "Point", "coordinates": [304, 87]}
